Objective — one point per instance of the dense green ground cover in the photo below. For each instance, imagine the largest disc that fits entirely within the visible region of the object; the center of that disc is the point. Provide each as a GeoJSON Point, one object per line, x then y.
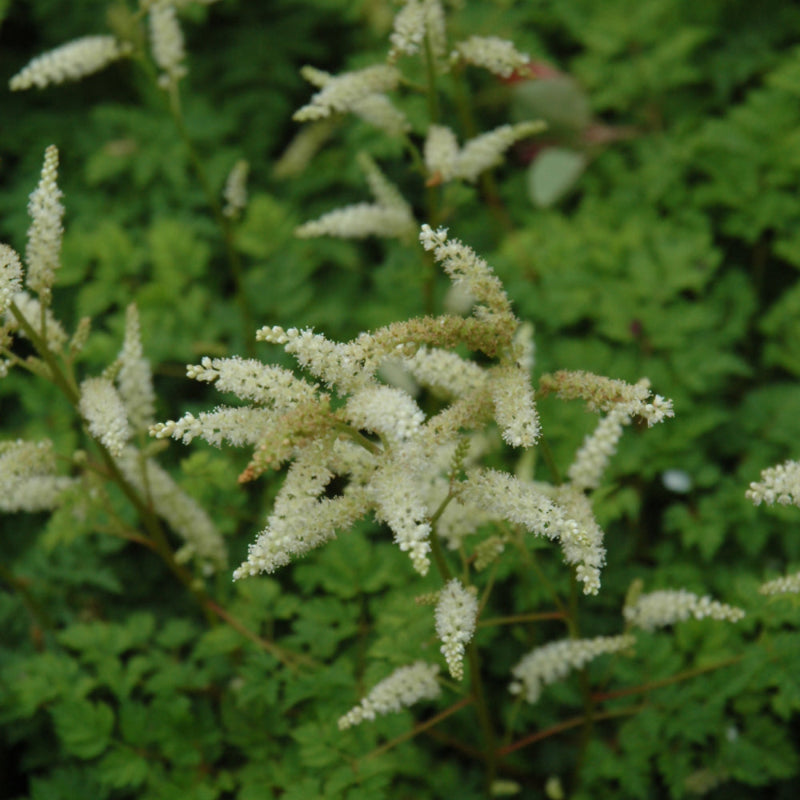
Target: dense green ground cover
{"type": "Point", "coordinates": [662, 240]}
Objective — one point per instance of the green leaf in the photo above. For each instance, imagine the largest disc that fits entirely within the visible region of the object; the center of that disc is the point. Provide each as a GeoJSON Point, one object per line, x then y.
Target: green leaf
{"type": "Point", "coordinates": [84, 727]}
{"type": "Point", "coordinates": [120, 768]}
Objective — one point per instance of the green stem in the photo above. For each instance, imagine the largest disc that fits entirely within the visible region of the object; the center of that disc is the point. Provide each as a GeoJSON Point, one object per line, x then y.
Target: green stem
{"type": "Point", "coordinates": [515, 619]}
{"type": "Point", "coordinates": [574, 722]}
{"type": "Point", "coordinates": [417, 729]}
{"type": "Point", "coordinates": [602, 697]}
{"type": "Point", "coordinates": [484, 718]}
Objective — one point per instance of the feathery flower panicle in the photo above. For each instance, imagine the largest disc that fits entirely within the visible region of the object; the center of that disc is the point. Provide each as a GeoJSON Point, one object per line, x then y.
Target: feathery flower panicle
{"type": "Point", "coordinates": [374, 107]}
{"type": "Point", "coordinates": [343, 93]}
{"type": "Point", "coordinates": [786, 584]}
{"type": "Point", "coordinates": [394, 489]}
{"type": "Point", "coordinates": [445, 160]}
{"type": "Point", "coordinates": [445, 373]}
{"type": "Point", "coordinates": [515, 411]}
{"type": "Point", "coordinates": [604, 394]}
{"type": "Point", "coordinates": [271, 386]}
{"type": "Point", "coordinates": [497, 55]}
{"type": "Point", "coordinates": [463, 265]}
{"type": "Point", "coordinates": [387, 411]}
{"type": "Point", "coordinates": [553, 661]}
{"type": "Point", "coordinates": [359, 221]}
{"type": "Point", "coordinates": [302, 517]}
{"type": "Point", "coordinates": [342, 366]}
{"type": "Point", "coordinates": [389, 216]}
{"type": "Point", "coordinates": [70, 62]}
{"type": "Point", "coordinates": [383, 190]}
{"type": "Point", "coordinates": [238, 426]}
{"type": "Point", "coordinates": [456, 616]}
{"type": "Point", "coordinates": [666, 607]}
{"type": "Point", "coordinates": [102, 407]}
{"type": "Point", "coordinates": [486, 151]}
{"type": "Point", "coordinates": [408, 31]}
{"type": "Point", "coordinates": [586, 548]}
{"type": "Point", "coordinates": [28, 480]}
{"type": "Point", "coordinates": [10, 276]}
{"type": "Point", "coordinates": [441, 152]}
{"type": "Point", "coordinates": [525, 347]}
{"type": "Point", "coordinates": [505, 497]}
{"type": "Point", "coordinates": [377, 110]}
{"type": "Point", "coordinates": [404, 687]}
{"type": "Point", "coordinates": [31, 310]}
{"type": "Point", "coordinates": [304, 146]}
{"type": "Point", "coordinates": [45, 232]}
{"type": "Point", "coordinates": [592, 458]}
{"type": "Point", "coordinates": [166, 43]}
{"type": "Point", "coordinates": [235, 191]}
{"type": "Point", "coordinates": [779, 484]}
{"type": "Point", "coordinates": [202, 541]}
{"type": "Point", "coordinates": [487, 552]}
{"type": "Point", "coordinates": [135, 379]}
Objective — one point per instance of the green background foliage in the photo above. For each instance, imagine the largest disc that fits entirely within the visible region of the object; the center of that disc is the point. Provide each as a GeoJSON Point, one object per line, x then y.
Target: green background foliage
{"type": "Point", "coordinates": [667, 246]}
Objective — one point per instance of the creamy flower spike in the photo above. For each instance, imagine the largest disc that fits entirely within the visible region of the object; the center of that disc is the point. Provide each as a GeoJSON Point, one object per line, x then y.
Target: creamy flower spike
{"type": "Point", "coordinates": [343, 93]}
{"type": "Point", "coordinates": [202, 542]}
{"type": "Point", "coordinates": [28, 479]}
{"type": "Point", "coordinates": [497, 55]}
{"type": "Point", "coordinates": [135, 378]}
{"type": "Point", "coordinates": [416, 21]}
{"type": "Point", "coordinates": [456, 615]}
{"type": "Point", "coordinates": [235, 192]}
{"type": "Point", "coordinates": [390, 216]}
{"type": "Point", "coordinates": [102, 408]}
{"type": "Point", "coordinates": [505, 497]}
{"type": "Point", "coordinates": [31, 310]}
{"type": "Point", "coordinates": [779, 484]}
{"type": "Point", "coordinates": [446, 161]}
{"type": "Point", "coordinates": [10, 276]}
{"type": "Point", "coordinates": [70, 62]}
{"type": "Point", "coordinates": [787, 584]}
{"type": "Point", "coordinates": [45, 232]}
{"type": "Point", "coordinates": [553, 661]}
{"type": "Point", "coordinates": [166, 42]}
{"type": "Point", "coordinates": [404, 687]}
{"type": "Point", "coordinates": [666, 607]}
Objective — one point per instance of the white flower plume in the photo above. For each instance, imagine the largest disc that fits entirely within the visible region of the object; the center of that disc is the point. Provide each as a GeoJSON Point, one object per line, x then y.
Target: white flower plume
{"type": "Point", "coordinates": [456, 615]}
{"type": "Point", "coordinates": [668, 606]}
{"type": "Point", "coordinates": [553, 661]}
{"type": "Point", "coordinates": [70, 62]}
{"type": "Point", "coordinates": [45, 232]}
{"type": "Point", "coordinates": [404, 687]}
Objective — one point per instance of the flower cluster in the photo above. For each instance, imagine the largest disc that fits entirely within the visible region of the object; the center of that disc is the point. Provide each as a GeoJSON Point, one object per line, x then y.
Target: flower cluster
{"type": "Point", "coordinates": [786, 584]}
{"type": "Point", "coordinates": [346, 92]}
{"type": "Point", "coordinates": [388, 216]}
{"type": "Point", "coordinates": [44, 234]}
{"type": "Point", "coordinates": [446, 161]}
{"type": "Point", "coordinates": [166, 42]}
{"type": "Point", "coordinates": [70, 62]}
{"type": "Point", "coordinates": [456, 614]}
{"type": "Point", "coordinates": [666, 607]}
{"type": "Point", "coordinates": [497, 55]}
{"type": "Point", "coordinates": [397, 474]}
{"type": "Point", "coordinates": [404, 687]}
{"type": "Point", "coordinates": [553, 661]}
{"type": "Point", "coordinates": [25, 313]}
{"type": "Point", "coordinates": [416, 21]}
{"type": "Point", "coordinates": [235, 192]}
{"type": "Point", "coordinates": [28, 479]}
{"type": "Point", "coordinates": [779, 484]}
